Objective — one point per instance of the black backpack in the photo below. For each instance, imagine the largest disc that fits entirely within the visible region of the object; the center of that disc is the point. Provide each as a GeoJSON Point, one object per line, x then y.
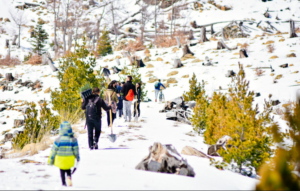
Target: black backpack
{"type": "Point", "coordinates": [91, 109]}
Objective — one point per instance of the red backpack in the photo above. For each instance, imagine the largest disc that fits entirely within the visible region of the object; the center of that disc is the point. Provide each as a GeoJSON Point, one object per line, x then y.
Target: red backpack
{"type": "Point", "coordinates": [130, 95]}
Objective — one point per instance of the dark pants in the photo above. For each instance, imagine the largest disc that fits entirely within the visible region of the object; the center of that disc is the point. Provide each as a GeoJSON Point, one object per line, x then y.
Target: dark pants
{"type": "Point", "coordinates": [137, 108]}
{"type": "Point", "coordinates": [63, 177]}
{"type": "Point", "coordinates": [120, 112]}
{"type": "Point", "coordinates": [91, 125]}
{"type": "Point", "coordinates": [114, 115]}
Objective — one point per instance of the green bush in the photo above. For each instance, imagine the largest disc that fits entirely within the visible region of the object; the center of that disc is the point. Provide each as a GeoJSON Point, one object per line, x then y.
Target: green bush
{"type": "Point", "coordinates": [104, 46]}
{"type": "Point", "coordinates": [39, 37]}
{"type": "Point", "coordinates": [35, 128]}
{"type": "Point", "coordinates": [75, 71]}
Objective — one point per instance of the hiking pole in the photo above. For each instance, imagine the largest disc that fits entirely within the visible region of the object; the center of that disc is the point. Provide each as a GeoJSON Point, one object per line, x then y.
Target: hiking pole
{"type": "Point", "coordinates": [112, 137]}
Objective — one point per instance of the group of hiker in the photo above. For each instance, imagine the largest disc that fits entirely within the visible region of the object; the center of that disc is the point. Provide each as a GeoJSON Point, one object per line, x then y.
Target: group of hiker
{"type": "Point", "coordinates": [118, 98]}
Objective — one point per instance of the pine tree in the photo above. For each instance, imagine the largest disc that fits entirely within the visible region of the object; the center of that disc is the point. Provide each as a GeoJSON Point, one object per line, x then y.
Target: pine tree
{"type": "Point", "coordinates": [235, 116]}
{"type": "Point", "coordinates": [282, 173]}
{"type": "Point", "coordinates": [104, 46]}
{"type": "Point", "coordinates": [75, 71]}
{"type": "Point", "coordinates": [195, 89]}
{"type": "Point", "coordinates": [39, 35]}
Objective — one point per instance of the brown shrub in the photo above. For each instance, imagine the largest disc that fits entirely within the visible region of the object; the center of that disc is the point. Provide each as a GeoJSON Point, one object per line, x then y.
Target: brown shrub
{"type": "Point", "coordinates": [259, 72]}
{"type": "Point", "coordinates": [34, 60]}
{"type": "Point", "coordinates": [245, 46]}
{"type": "Point", "coordinates": [135, 46]}
{"type": "Point", "coordinates": [297, 30]}
{"type": "Point", "coordinates": [9, 61]}
{"type": "Point", "coordinates": [270, 48]}
{"type": "Point", "coordinates": [165, 41]}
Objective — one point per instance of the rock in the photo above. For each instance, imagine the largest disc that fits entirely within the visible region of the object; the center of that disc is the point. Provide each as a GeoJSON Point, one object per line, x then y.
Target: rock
{"type": "Point", "coordinates": [6, 20]}
{"type": "Point", "coordinates": [47, 90]}
{"type": "Point", "coordinates": [165, 159]}
{"type": "Point", "coordinates": [16, 92]}
{"type": "Point", "coordinates": [193, 152]}
{"type": "Point", "coordinates": [85, 7]}
{"type": "Point", "coordinates": [2, 122]}
{"type": "Point", "coordinates": [19, 122]}
{"type": "Point", "coordinates": [275, 102]}
{"type": "Point", "coordinates": [212, 150]}
{"type": "Point", "coordinates": [257, 94]}
{"type": "Point", "coordinates": [230, 73]}
{"type": "Point", "coordinates": [149, 66]}
{"type": "Point", "coordinates": [172, 73]}
{"type": "Point", "coordinates": [159, 59]}
{"type": "Point", "coordinates": [146, 59]}
{"type": "Point", "coordinates": [171, 81]}
{"type": "Point", "coordinates": [284, 65]}
{"type": "Point", "coordinates": [291, 55]}
{"type": "Point", "coordinates": [8, 137]}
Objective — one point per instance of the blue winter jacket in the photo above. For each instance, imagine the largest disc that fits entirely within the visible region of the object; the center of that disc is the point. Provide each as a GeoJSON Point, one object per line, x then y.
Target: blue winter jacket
{"type": "Point", "coordinates": [120, 104]}
{"type": "Point", "coordinates": [159, 85]}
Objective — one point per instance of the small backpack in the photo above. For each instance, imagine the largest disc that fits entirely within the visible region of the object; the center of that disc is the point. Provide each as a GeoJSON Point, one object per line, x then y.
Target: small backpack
{"type": "Point", "coordinates": [91, 109]}
{"type": "Point", "coordinates": [156, 85]}
{"type": "Point", "coordinates": [113, 103]}
{"type": "Point", "coordinates": [130, 95]}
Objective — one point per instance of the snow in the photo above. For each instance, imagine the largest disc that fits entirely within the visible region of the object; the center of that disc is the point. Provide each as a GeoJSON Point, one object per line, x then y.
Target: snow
{"type": "Point", "coordinates": [113, 165]}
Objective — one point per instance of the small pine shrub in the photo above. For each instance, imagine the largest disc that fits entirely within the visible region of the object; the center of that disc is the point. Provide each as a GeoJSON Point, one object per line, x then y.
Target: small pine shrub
{"type": "Point", "coordinates": [35, 128]}
{"type": "Point", "coordinates": [39, 37]}
{"type": "Point", "coordinates": [104, 46]}
{"type": "Point", "coordinates": [196, 88]}
{"type": "Point", "coordinates": [136, 77]}
{"type": "Point", "coordinates": [75, 71]}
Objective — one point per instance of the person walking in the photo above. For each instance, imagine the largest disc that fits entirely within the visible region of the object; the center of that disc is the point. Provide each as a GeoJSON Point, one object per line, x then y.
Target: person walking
{"type": "Point", "coordinates": [157, 86]}
{"type": "Point", "coordinates": [120, 106]}
{"type": "Point", "coordinates": [110, 94]}
{"type": "Point", "coordinates": [119, 87]}
{"type": "Point", "coordinates": [93, 107]}
{"type": "Point", "coordinates": [128, 92]}
{"type": "Point", "coordinates": [64, 152]}
{"type": "Point", "coordinates": [138, 102]}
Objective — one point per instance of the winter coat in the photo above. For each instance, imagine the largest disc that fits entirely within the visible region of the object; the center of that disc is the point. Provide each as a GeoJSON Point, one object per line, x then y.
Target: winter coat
{"type": "Point", "coordinates": [125, 89]}
{"type": "Point", "coordinates": [65, 148]}
{"type": "Point", "coordinates": [119, 88]}
{"type": "Point", "coordinates": [159, 85]}
{"type": "Point", "coordinates": [139, 92]}
{"type": "Point", "coordinates": [108, 92]}
{"type": "Point", "coordinates": [120, 104]}
{"type": "Point", "coordinates": [100, 104]}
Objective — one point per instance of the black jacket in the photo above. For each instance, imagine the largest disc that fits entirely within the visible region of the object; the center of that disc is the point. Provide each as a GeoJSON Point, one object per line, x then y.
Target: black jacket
{"type": "Point", "coordinates": [125, 89]}
{"type": "Point", "coordinates": [138, 94]}
{"type": "Point", "coordinates": [100, 104]}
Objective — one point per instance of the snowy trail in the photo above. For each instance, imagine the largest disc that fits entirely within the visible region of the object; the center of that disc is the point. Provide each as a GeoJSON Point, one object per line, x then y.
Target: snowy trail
{"type": "Point", "coordinates": [113, 165]}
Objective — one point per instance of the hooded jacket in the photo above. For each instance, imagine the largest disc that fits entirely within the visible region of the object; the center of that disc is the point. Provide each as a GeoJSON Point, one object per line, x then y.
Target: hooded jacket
{"type": "Point", "coordinates": [125, 89]}
{"type": "Point", "coordinates": [65, 148]}
{"type": "Point", "coordinates": [100, 104]}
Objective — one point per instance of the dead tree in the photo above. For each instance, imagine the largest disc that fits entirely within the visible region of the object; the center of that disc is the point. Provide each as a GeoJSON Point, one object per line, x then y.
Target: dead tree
{"type": "Point", "coordinates": [212, 29]}
{"type": "Point", "coordinates": [243, 53]}
{"type": "Point", "coordinates": [7, 43]}
{"type": "Point", "coordinates": [222, 45]}
{"type": "Point", "coordinates": [67, 5]}
{"type": "Point", "coordinates": [20, 19]}
{"type": "Point", "coordinates": [292, 29]}
{"type": "Point", "coordinates": [186, 50]}
{"type": "Point", "coordinates": [178, 41]}
{"type": "Point", "coordinates": [69, 40]}
{"type": "Point", "coordinates": [191, 35]}
{"type": "Point", "coordinates": [9, 77]}
{"type": "Point", "coordinates": [14, 40]}
{"type": "Point", "coordinates": [223, 35]}
{"type": "Point", "coordinates": [203, 35]}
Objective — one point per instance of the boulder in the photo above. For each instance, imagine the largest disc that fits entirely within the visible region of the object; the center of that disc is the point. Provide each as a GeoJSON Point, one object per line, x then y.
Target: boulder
{"type": "Point", "coordinates": [19, 122]}
{"type": "Point", "coordinates": [165, 159]}
{"type": "Point", "coordinates": [291, 55]}
{"type": "Point", "coordinates": [8, 137]}
{"type": "Point", "coordinates": [193, 152]}
{"type": "Point", "coordinates": [230, 73]}
{"type": "Point", "coordinates": [221, 143]}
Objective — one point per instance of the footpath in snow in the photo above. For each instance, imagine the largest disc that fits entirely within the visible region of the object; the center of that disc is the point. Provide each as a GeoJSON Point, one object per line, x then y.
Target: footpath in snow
{"type": "Point", "coordinates": [113, 165]}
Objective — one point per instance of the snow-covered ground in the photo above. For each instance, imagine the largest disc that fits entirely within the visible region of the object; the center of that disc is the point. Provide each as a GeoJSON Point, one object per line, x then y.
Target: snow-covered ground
{"type": "Point", "coordinates": [113, 165]}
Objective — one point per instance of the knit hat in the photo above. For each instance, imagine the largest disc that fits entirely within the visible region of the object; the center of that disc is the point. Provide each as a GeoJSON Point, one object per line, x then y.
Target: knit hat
{"type": "Point", "coordinates": [65, 129]}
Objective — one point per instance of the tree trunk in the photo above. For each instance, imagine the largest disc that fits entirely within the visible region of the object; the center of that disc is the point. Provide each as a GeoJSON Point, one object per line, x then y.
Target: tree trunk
{"type": "Point", "coordinates": [203, 35]}
{"type": "Point", "coordinates": [55, 42]}
{"type": "Point", "coordinates": [223, 35]}
{"type": "Point", "coordinates": [292, 29]}
{"type": "Point", "coordinates": [113, 17]}
{"type": "Point", "coordinates": [118, 62]}
{"type": "Point", "coordinates": [177, 63]}
{"type": "Point", "coordinates": [243, 53]}
{"type": "Point", "coordinates": [191, 35]}
{"type": "Point", "coordinates": [186, 50]}
{"type": "Point", "coordinates": [69, 41]}
{"type": "Point", "coordinates": [9, 77]}
{"type": "Point", "coordinates": [15, 39]}
{"type": "Point", "coordinates": [155, 21]}
{"type": "Point", "coordinates": [65, 28]}
{"type": "Point", "coordinates": [178, 41]}
{"type": "Point", "coordinates": [172, 19]}
{"type": "Point", "coordinates": [222, 45]}
{"type": "Point", "coordinates": [19, 45]}
{"type": "Point", "coordinates": [212, 29]}
{"type": "Point", "coordinates": [7, 43]}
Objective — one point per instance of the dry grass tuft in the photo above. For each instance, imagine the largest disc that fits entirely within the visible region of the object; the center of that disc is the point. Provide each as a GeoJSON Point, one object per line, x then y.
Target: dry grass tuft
{"type": "Point", "coordinates": [71, 116]}
{"type": "Point", "coordinates": [165, 41]}
{"type": "Point", "coordinates": [9, 61]}
{"type": "Point", "coordinates": [270, 48]}
{"type": "Point", "coordinates": [278, 77]}
{"type": "Point", "coordinates": [259, 72]}
{"type": "Point", "coordinates": [134, 46]}
{"type": "Point", "coordinates": [34, 60]}
{"type": "Point", "coordinates": [273, 57]}
{"type": "Point", "coordinates": [172, 73]}
{"type": "Point", "coordinates": [291, 55]}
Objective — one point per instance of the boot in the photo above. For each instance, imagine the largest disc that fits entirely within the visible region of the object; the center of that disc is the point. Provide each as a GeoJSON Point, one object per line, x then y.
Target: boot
{"type": "Point", "coordinates": [69, 181]}
{"type": "Point", "coordinates": [155, 100]}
